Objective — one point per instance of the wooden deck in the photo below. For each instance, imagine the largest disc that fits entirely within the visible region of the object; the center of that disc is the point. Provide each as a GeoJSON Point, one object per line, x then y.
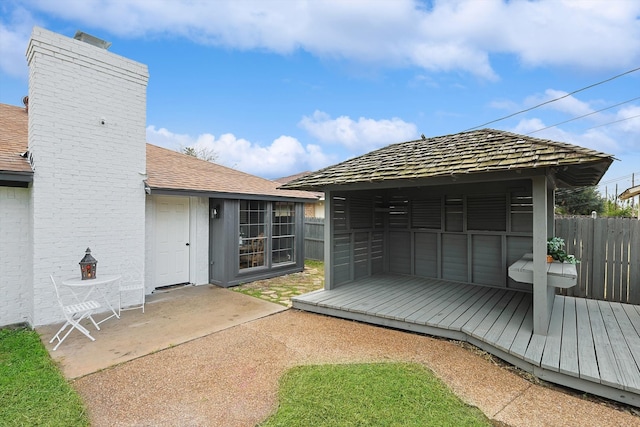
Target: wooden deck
{"type": "Point", "coordinates": [592, 346]}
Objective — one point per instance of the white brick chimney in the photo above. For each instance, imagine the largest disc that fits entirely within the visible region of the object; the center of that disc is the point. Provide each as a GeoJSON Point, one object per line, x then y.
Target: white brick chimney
{"type": "Point", "coordinates": [87, 119]}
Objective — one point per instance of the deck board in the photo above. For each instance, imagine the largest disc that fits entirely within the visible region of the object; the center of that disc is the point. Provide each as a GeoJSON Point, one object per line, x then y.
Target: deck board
{"type": "Point", "coordinates": [489, 298]}
{"type": "Point", "coordinates": [551, 353]}
{"type": "Point", "coordinates": [417, 301]}
{"type": "Point", "coordinates": [569, 349]}
{"type": "Point", "coordinates": [503, 319]}
{"type": "Point", "coordinates": [523, 336]}
{"type": "Point", "coordinates": [609, 372]}
{"type": "Point", "coordinates": [624, 360]}
{"type": "Point", "coordinates": [590, 345]}
{"type": "Point", "coordinates": [475, 320]}
{"type": "Point", "coordinates": [476, 298]}
{"type": "Point", "coordinates": [587, 361]}
{"type": "Point", "coordinates": [508, 335]}
{"type": "Point", "coordinates": [492, 316]}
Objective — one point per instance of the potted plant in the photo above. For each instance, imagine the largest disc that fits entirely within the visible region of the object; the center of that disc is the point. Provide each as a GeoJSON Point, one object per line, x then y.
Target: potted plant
{"type": "Point", "coordinates": [555, 251]}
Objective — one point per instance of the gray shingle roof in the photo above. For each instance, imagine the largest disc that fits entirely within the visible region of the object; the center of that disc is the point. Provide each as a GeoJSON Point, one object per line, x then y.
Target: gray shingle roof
{"type": "Point", "coordinates": [474, 152]}
{"type": "Point", "coordinates": [14, 124]}
{"type": "Point", "coordinates": [170, 170]}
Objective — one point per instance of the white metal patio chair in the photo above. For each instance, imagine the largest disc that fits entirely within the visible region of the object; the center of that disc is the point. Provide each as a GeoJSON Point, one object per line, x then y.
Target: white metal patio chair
{"type": "Point", "coordinates": [131, 283]}
{"type": "Point", "coordinates": [74, 313]}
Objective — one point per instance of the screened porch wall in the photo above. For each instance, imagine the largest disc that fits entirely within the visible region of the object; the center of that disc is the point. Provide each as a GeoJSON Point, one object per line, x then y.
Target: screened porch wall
{"type": "Point", "coordinates": [466, 233]}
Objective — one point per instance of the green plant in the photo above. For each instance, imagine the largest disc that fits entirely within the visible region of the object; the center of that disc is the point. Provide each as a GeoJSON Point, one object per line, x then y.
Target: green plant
{"type": "Point", "coordinates": [555, 248]}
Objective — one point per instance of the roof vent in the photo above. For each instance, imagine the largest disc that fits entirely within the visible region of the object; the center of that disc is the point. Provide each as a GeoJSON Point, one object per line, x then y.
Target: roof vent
{"type": "Point", "coordinates": [94, 41]}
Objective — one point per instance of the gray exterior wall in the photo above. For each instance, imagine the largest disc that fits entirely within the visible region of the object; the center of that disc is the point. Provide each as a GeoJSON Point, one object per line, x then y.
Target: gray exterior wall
{"type": "Point", "coordinates": [467, 233]}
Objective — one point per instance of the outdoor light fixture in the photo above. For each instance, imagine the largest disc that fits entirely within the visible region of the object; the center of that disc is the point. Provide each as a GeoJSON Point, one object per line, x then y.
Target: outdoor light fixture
{"type": "Point", "coordinates": [88, 266]}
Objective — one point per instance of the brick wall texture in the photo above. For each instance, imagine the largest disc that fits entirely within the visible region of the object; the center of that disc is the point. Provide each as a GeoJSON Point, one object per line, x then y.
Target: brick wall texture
{"type": "Point", "coordinates": [87, 116]}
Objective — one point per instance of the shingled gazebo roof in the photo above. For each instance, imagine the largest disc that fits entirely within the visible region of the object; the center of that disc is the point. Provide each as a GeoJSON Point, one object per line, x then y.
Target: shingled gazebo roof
{"type": "Point", "coordinates": [466, 153]}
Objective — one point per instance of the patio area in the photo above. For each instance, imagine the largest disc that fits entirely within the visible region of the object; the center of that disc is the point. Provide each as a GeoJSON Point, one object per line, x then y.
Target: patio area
{"type": "Point", "coordinates": [171, 317]}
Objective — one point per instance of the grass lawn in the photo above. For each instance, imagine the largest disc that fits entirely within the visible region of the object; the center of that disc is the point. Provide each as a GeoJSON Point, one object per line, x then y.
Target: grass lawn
{"type": "Point", "coordinates": [378, 394]}
{"type": "Point", "coordinates": [33, 392]}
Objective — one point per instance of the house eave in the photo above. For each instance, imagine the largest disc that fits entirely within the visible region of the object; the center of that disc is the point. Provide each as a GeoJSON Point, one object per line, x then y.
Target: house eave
{"type": "Point", "coordinates": [15, 179]}
{"type": "Point", "coordinates": [223, 195]}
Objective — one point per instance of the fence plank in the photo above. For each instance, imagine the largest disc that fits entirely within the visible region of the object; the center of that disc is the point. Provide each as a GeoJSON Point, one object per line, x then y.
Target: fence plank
{"type": "Point", "coordinates": [634, 262]}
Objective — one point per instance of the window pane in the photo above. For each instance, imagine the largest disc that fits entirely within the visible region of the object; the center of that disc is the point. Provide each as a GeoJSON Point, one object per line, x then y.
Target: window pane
{"type": "Point", "coordinates": [282, 232]}
{"type": "Point", "coordinates": [251, 240]}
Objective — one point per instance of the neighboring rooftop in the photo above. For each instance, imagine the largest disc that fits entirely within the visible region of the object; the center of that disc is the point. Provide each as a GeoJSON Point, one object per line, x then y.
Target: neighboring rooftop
{"type": "Point", "coordinates": [474, 152]}
{"type": "Point", "coordinates": [286, 179]}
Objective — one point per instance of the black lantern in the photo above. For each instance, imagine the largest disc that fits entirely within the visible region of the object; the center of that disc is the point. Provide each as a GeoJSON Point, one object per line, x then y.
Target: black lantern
{"type": "Point", "coordinates": [88, 266]}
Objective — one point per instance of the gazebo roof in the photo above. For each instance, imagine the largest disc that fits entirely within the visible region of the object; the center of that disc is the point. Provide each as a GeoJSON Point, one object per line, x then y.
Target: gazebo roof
{"type": "Point", "coordinates": [466, 153]}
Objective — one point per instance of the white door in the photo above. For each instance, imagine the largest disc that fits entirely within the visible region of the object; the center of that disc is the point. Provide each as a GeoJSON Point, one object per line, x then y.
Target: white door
{"type": "Point", "coordinates": [172, 241]}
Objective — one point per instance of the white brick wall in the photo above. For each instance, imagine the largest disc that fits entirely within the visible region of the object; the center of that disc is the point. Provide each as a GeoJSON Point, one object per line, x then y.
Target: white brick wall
{"type": "Point", "coordinates": [15, 256]}
{"type": "Point", "coordinates": [87, 116]}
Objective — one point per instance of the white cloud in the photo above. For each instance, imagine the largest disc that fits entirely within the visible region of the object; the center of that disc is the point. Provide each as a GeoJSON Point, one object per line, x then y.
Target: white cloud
{"type": "Point", "coordinates": [15, 30]}
{"type": "Point", "coordinates": [596, 139]}
{"type": "Point", "coordinates": [567, 104]}
{"type": "Point", "coordinates": [358, 136]}
{"type": "Point", "coordinates": [284, 156]}
{"type": "Point", "coordinates": [440, 36]}
{"type": "Point", "coordinates": [630, 121]}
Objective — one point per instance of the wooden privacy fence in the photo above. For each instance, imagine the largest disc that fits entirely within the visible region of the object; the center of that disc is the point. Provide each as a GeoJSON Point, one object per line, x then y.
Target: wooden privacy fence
{"type": "Point", "coordinates": [609, 251]}
{"type": "Point", "coordinates": [314, 238]}
{"type": "Point", "coordinates": [608, 248]}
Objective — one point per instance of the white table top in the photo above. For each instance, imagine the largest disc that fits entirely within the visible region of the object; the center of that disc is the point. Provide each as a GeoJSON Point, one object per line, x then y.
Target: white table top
{"type": "Point", "coordinates": [559, 274]}
{"type": "Point", "coordinates": [98, 280]}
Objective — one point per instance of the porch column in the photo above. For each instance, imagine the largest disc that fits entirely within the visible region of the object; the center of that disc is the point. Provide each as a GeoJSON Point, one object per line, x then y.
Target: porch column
{"type": "Point", "coordinates": [542, 294]}
{"type": "Point", "coordinates": [328, 233]}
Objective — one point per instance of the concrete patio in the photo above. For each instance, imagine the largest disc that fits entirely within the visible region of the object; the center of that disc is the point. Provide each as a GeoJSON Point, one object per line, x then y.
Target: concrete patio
{"type": "Point", "coordinates": [171, 317]}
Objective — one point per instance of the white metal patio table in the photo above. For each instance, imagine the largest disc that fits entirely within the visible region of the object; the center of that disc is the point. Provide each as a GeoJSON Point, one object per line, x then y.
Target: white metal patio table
{"type": "Point", "coordinates": [83, 289]}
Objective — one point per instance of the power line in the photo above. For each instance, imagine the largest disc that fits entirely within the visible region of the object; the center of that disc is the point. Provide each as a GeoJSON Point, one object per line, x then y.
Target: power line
{"type": "Point", "coordinates": [583, 116]}
{"type": "Point", "coordinates": [615, 121]}
{"type": "Point", "coordinates": [553, 100]}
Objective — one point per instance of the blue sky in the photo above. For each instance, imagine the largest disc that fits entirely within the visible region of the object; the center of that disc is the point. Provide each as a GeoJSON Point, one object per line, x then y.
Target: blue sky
{"type": "Point", "coordinates": [279, 87]}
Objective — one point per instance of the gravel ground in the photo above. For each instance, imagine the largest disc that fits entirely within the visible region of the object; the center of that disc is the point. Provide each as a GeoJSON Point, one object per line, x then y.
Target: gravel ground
{"type": "Point", "coordinates": [230, 378]}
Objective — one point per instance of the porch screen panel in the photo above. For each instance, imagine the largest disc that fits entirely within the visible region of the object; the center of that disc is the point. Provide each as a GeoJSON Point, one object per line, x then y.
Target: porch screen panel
{"type": "Point", "coordinates": [454, 257]}
{"type": "Point", "coordinates": [426, 254]}
{"type": "Point", "coordinates": [377, 252]}
{"type": "Point", "coordinates": [487, 212]}
{"type": "Point", "coordinates": [339, 206]}
{"type": "Point", "coordinates": [521, 211]}
{"type": "Point", "coordinates": [360, 255]}
{"type": "Point", "coordinates": [427, 213]}
{"type": "Point", "coordinates": [361, 212]}
{"type": "Point", "coordinates": [486, 262]}
{"type": "Point", "coordinates": [378, 214]}
{"type": "Point", "coordinates": [453, 213]}
{"type": "Point", "coordinates": [400, 252]}
{"type": "Point", "coordinates": [283, 224]}
{"type": "Point", "coordinates": [398, 212]}
{"type": "Point", "coordinates": [341, 258]}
